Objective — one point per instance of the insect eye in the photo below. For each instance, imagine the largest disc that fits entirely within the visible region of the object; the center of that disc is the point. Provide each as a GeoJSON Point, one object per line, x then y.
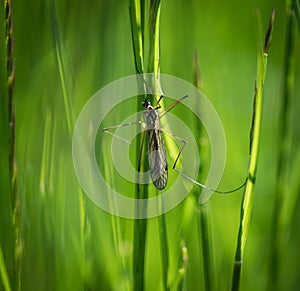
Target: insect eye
{"type": "Point", "coordinates": [145, 104]}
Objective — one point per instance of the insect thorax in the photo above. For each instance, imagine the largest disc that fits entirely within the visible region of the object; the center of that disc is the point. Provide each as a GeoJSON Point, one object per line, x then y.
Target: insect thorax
{"type": "Point", "coordinates": [151, 119]}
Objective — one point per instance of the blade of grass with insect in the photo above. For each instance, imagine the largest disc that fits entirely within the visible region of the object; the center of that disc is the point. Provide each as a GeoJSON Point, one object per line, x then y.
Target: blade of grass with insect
{"type": "Point", "coordinates": [203, 211]}
{"type": "Point", "coordinates": [153, 66]}
{"type": "Point", "coordinates": [247, 200]}
{"type": "Point", "coordinates": [145, 39]}
{"type": "Point", "coordinates": [283, 196]}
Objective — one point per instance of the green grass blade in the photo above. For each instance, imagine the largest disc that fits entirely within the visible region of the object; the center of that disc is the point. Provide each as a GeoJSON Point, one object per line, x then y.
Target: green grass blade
{"type": "Point", "coordinates": [205, 233]}
{"type": "Point", "coordinates": [137, 10]}
{"type": "Point", "coordinates": [283, 196]}
{"type": "Point", "coordinates": [296, 8]}
{"type": "Point", "coordinates": [153, 67]}
{"type": "Point", "coordinates": [203, 211]}
{"type": "Point", "coordinates": [3, 272]}
{"type": "Point", "coordinates": [181, 282]}
{"type": "Point", "coordinates": [154, 50]}
{"type": "Point", "coordinates": [15, 196]}
{"type": "Point", "coordinates": [62, 68]}
{"type": "Point", "coordinates": [137, 33]}
{"type": "Point", "coordinates": [247, 201]}
{"type": "Point", "coordinates": [163, 236]}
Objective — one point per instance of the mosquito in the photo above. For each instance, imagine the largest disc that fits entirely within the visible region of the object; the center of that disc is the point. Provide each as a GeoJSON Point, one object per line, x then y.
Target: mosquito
{"type": "Point", "coordinates": [157, 156]}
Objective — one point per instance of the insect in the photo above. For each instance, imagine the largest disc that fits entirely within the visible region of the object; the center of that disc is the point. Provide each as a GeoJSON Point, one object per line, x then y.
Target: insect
{"type": "Point", "coordinates": [157, 156]}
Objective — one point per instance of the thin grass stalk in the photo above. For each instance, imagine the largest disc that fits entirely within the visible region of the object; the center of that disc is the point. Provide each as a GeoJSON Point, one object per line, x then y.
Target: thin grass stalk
{"type": "Point", "coordinates": [45, 163]}
{"type": "Point", "coordinates": [143, 27]}
{"type": "Point", "coordinates": [154, 50]}
{"type": "Point", "coordinates": [15, 197]}
{"type": "Point", "coordinates": [289, 216]}
{"type": "Point", "coordinates": [247, 201]}
{"type": "Point", "coordinates": [296, 9]}
{"type": "Point", "coordinates": [137, 20]}
{"type": "Point", "coordinates": [4, 273]}
{"type": "Point", "coordinates": [205, 240]}
{"type": "Point", "coordinates": [61, 64]}
{"type": "Point", "coordinates": [284, 144]}
{"type": "Point", "coordinates": [153, 67]}
{"type": "Point", "coordinates": [66, 86]}
{"type": "Point", "coordinates": [181, 282]}
{"type": "Point", "coordinates": [164, 248]}
{"type": "Point", "coordinates": [203, 211]}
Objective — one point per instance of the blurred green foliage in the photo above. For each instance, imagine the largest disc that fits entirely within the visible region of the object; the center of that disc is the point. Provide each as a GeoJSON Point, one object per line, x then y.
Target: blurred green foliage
{"type": "Point", "coordinates": [70, 244]}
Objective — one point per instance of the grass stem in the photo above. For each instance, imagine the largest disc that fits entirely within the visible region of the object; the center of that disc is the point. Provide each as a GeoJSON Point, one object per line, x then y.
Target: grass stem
{"type": "Point", "coordinates": [15, 197]}
{"type": "Point", "coordinates": [145, 34]}
{"type": "Point", "coordinates": [203, 211]}
{"type": "Point", "coordinates": [136, 10]}
{"type": "Point", "coordinates": [247, 201]}
{"type": "Point", "coordinates": [284, 144]}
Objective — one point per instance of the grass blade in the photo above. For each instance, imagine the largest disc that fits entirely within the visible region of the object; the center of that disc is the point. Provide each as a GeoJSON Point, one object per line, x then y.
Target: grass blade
{"type": "Point", "coordinates": [3, 272]}
{"type": "Point", "coordinates": [62, 69]}
{"type": "Point", "coordinates": [153, 67]}
{"type": "Point", "coordinates": [203, 211]}
{"type": "Point", "coordinates": [282, 195]}
{"type": "Point", "coordinates": [247, 201]}
{"type": "Point", "coordinates": [136, 10]}
{"type": "Point", "coordinates": [205, 234]}
{"type": "Point", "coordinates": [15, 197]}
{"type": "Point", "coordinates": [154, 20]}
{"type": "Point", "coordinates": [140, 15]}
{"type": "Point", "coordinates": [182, 268]}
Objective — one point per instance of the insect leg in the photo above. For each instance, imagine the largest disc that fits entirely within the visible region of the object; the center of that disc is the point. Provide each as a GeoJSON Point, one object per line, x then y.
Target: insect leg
{"type": "Point", "coordinates": [166, 110]}
{"type": "Point", "coordinates": [192, 180]}
{"type": "Point", "coordinates": [184, 142]}
{"type": "Point", "coordinates": [108, 129]}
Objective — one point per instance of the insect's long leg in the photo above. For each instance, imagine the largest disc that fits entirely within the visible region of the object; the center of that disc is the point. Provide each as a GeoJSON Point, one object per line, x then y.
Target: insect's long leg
{"type": "Point", "coordinates": [184, 142]}
{"type": "Point", "coordinates": [192, 180]}
{"type": "Point", "coordinates": [107, 129]}
{"type": "Point", "coordinates": [157, 105]}
{"type": "Point", "coordinates": [209, 188]}
{"type": "Point", "coordinates": [166, 110]}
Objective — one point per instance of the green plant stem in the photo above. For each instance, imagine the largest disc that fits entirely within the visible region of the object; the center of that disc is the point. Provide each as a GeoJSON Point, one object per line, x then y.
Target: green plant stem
{"type": "Point", "coordinates": [247, 201]}
{"type": "Point", "coordinates": [153, 67]}
{"type": "Point", "coordinates": [139, 32]}
{"type": "Point", "coordinates": [203, 211]}
{"type": "Point", "coordinates": [3, 272]}
{"type": "Point", "coordinates": [15, 197]}
{"type": "Point", "coordinates": [205, 235]}
{"type": "Point", "coordinates": [181, 278]}
{"type": "Point", "coordinates": [136, 10]}
{"type": "Point", "coordinates": [164, 248]}
{"type": "Point", "coordinates": [62, 68]}
{"type": "Point", "coordinates": [284, 146]}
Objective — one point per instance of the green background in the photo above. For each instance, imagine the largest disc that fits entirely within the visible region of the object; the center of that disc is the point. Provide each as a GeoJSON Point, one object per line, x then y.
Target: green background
{"type": "Point", "coordinates": [70, 244]}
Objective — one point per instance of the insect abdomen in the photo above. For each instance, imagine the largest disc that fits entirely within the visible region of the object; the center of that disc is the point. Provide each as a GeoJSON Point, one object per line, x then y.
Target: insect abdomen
{"type": "Point", "coordinates": [157, 157]}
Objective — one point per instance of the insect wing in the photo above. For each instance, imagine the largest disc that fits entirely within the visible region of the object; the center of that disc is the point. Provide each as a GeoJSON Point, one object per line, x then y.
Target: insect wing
{"type": "Point", "coordinates": [157, 157]}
